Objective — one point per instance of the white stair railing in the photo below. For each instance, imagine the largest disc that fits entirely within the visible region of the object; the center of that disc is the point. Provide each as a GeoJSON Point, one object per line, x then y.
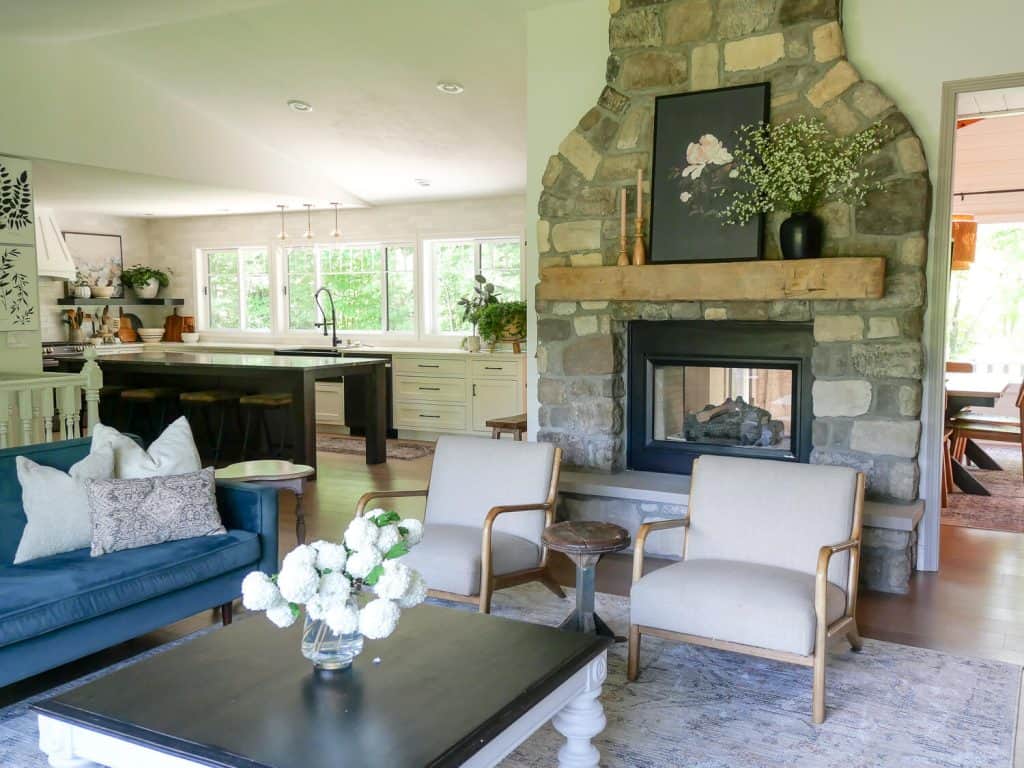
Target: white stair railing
{"type": "Point", "coordinates": [30, 402]}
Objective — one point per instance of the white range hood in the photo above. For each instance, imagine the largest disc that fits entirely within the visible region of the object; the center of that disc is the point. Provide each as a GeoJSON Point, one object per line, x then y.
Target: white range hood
{"type": "Point", "coordinates": [52, 252]}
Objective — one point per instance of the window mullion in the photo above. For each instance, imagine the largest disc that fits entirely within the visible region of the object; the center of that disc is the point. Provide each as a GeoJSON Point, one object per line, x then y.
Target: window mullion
{"type": "Point", "coordinates": [385, 299]}
{"type": "Point", "coordinates": [243, 319]}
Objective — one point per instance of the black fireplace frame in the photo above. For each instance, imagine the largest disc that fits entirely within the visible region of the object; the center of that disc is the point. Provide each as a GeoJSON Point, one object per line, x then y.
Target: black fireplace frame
{"type": "Point", "coordinates": [761, 344]}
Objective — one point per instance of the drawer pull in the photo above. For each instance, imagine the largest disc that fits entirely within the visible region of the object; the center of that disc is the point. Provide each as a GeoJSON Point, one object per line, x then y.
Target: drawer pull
{"type": "Point", "coordinates": [493, 368]}
{"type": "Point", "coordinates": [429, 416]}
{"type": "Point", "coordinates": [429, 389]}
{"type": "Point", "coordinates": [424, 365]}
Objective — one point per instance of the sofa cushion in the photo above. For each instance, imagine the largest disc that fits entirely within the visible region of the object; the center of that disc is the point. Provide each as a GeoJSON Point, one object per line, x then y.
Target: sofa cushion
{"type": "Point", "coordinates": [759, 605]}
{"type": "Point", "coordinates": [52, 592]}
{"type": "Point", "coordinates": [172, 453]}
{"type": "Point", "coordinates": [448, 557]}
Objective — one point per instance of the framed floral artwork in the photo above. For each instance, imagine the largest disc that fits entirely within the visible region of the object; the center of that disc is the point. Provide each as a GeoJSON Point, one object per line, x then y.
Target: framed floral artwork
{"type": "Point", "coordinates": [98, 257]}
{"type": "Point", "coordinates": [18, 288]}
{"type": "Point", "coordinates": [17, 226]}
{"type": "Point", "coordinates": [694, 171]}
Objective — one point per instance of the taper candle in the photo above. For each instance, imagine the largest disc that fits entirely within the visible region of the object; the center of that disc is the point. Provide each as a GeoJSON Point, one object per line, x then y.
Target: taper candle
{"type": "Point", "coordinates": [639, 192]}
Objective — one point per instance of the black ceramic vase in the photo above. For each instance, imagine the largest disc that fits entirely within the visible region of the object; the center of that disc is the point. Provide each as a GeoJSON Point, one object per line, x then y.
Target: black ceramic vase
{"type": "Point", "coordinates": [801, 236]}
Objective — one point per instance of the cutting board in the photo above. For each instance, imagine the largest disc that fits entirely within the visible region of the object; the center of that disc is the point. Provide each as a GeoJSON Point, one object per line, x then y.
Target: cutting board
{"type": "Point", "coordinates": [173, 326]}
{"type": "Point", "coordinates": [126, 328]}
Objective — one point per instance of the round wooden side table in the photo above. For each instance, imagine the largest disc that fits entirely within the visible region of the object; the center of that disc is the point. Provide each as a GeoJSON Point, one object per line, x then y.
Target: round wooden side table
{"type": "Point", "coordinates": [584, 543]}
{"type": "Point", "coordinates": [274, 473]}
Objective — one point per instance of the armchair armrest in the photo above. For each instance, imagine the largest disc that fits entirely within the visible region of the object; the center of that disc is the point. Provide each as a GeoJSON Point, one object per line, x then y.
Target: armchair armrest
{"type": "Point", "coordinates": [251, 508]}
{"type": "Point", "coordinates": [366, 498]}
{"type": "Point", "coordinates": [821, 576]}
{"type": "Point", "coordinates": [641, 539]}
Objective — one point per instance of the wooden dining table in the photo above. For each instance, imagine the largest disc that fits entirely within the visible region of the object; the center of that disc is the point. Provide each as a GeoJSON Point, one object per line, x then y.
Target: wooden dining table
{"type": "Point", "coordinates": [962, 390]}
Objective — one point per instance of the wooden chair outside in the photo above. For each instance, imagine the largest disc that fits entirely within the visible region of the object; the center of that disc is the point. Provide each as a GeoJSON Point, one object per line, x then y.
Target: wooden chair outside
{"type": "Point", "coordinates": [953, 366]}
{"type": "Point", "coordinates": [444, 549]}
{"type": "Point", "coordinates": [761, 542]}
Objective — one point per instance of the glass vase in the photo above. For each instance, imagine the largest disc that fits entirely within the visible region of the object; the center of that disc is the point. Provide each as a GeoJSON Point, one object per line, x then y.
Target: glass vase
{"type": "Point", "coordinates": [327, 649]}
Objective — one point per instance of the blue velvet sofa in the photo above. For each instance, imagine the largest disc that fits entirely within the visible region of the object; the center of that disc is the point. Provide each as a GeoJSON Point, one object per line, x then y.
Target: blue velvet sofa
{"type": "Point", "coordinates": [59, 608]}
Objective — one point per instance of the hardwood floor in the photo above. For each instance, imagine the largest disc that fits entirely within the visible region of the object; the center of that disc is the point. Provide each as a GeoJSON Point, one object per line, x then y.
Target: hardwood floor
{"type": "Point", "coordinates": [972, 606]}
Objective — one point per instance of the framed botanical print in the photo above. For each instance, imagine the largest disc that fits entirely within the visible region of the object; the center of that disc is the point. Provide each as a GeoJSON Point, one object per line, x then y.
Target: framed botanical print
{"type": "Point", "coordinates": [694, 171]}
{"type": "Point", "coordinates": [98, 257]}
{"type": "Point", "coordinates": [17, 222]}
{"type": "Point", "coordinates": [18, 288]}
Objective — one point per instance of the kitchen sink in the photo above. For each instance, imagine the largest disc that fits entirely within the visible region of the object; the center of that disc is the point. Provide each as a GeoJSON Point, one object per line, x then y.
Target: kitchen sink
{"type": "Point", "coordinates": [310, 351]}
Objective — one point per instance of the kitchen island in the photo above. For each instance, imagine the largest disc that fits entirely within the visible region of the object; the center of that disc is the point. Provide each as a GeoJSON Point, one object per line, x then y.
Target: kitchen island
{"type": "Point", "coordinates": [262, 372]}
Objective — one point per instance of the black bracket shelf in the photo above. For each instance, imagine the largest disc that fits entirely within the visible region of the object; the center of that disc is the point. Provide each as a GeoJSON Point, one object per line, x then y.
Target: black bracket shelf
{"type": "Point", "coordinates": [74, 301]}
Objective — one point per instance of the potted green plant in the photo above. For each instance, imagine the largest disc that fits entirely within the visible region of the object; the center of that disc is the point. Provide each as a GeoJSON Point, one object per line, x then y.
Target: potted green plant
{"type": "Point", "coordinates": [146, 281]}
{"type": "Point", "coordinates": [795, 166]}
{"type": "Point", "coordinates": [503, 321]}
{"type": "Point", "coordinates": [484, 294]}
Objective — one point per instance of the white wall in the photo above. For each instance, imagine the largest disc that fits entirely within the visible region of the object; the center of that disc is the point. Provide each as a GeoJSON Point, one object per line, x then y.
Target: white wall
{"type": "Point", "coordinates": [173, 242]}
{"type": "Point", "coordinates": [134, 247]}
{"type": "Point", "coordinates": [566, 49]}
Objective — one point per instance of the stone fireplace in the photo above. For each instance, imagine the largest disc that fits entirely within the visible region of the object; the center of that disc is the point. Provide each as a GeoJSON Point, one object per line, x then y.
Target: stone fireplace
{"type": "Point", "coordinates": [865, 355]}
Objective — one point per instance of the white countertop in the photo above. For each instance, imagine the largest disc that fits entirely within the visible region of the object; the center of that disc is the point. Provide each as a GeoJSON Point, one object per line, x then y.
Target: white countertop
{"type": "Point", "coordinates": [270, 347]}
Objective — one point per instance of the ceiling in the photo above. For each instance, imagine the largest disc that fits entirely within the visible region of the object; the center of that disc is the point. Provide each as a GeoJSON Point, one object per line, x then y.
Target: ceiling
{"type": "Point", "coordinates": [149, 106]}
{"type": "Point", "coordinates": [990, 156]}
{"type": "Point", "coordinates": [990, 102]}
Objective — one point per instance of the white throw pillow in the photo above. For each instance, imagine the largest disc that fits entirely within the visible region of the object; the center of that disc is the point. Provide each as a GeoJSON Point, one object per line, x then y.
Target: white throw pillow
{"type": "Point", "coordinates": [173, 453]}
{"type": "Point", "coordinates": [56, 504]}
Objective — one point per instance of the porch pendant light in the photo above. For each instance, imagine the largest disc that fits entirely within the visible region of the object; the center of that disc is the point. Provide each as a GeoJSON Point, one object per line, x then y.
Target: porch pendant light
{"type": "Point", "coordinates": [965, 241]}
{"type": "Point", "coordinates": [282, 235]}
{"type": "Point", "coordinates": [335, 233]}
{"type": "Point", "coordinates": [308, 234]}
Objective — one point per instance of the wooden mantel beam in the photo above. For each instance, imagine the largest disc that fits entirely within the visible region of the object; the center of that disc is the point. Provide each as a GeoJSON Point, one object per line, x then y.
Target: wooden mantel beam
{"type": "Point", "coordinates": [851, 277]}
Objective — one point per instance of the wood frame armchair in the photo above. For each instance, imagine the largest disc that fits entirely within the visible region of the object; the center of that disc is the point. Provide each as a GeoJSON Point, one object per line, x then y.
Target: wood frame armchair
{"type": "Point", "coordinates": [825, 631]}
{"type": "Point", "coordinates": [489, 581]}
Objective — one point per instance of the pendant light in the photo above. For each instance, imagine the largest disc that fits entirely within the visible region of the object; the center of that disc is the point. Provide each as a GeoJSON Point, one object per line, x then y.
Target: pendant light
{"type": "Point", "coordinates": [308, 234]}
{"type": "Point", "coordinates": [964, 243]}
{"type": "Point", "coordinates": [282, 235]}
{"type": "Point", "coordinates": [335, 233]}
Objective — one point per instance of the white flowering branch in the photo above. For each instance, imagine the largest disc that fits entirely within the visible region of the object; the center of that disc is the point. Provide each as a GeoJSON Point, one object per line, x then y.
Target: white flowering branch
{"type": "Point", "coordinates": [797, 165]}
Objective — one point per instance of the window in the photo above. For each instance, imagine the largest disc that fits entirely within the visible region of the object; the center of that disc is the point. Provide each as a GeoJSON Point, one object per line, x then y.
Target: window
{"type": "Point", "coordinates": [373, 285]}
{"type": "Point", "coordinates": [453, 264]}
{"type": "Point", "coordinates": [238, 289]}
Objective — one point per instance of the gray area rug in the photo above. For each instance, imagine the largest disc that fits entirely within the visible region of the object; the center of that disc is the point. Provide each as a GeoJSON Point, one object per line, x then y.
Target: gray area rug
{"type": "Point", "coordinates": [891, 705]}
{"type": "Point", "coordinates": [404, 450]}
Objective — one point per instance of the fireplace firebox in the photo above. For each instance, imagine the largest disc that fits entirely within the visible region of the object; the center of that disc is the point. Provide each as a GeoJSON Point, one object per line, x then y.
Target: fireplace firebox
{"type": "Point", "coordinates": [733, 388]}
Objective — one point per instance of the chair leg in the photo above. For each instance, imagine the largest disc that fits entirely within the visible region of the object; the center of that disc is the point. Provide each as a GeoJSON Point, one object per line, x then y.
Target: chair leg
{"type": "Point", "coordinates": [633, 665]}
{"type": "Point", "coordinates": [854, 638]}
{"type": "Point", "coordinates": [553, 586]}
{"type": "Point", "coordinates": [486, 592]}
{"type": "Point", "coordinates": [225, 614]}
{"type": "Point", "coordinates": [218, 442]}
{"type": "Point", "coordinates": [946, 472]}
{"type": "Point", "coordinates": [820, 658]}
{"type": "Point", "coordinates": [245, 433]}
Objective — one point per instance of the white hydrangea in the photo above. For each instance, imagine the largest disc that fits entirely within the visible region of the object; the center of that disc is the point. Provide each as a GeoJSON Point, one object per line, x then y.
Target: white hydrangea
{"type": "Point", "coordinates": [387, 538]}
{"type": "Point", "coordinates": [297, 581]}
{"type": "Point", "coordinates": [361, 534]}
{"type": "Point", "coordinates": [362, 562]}
{"type": "Point", "coordinates": [335, 586]}
{"type": "Point", "coordinates": [373, 514]}
{"type": "Point", "coordinates": [415, 530]}
{"type": "Point", "coordinates": [329, 556]}
{"type": "Point", "coordinates": [378, 619]}
{"type": "Point", "coordinates": [417, 592]}
{"type": "Point", "coordinates": [259, 592]}
{"type": "Point", "coordinates": [318, 606]}
{"type": "Point", "coordinates": [394, 583]}
{"type": "Point", "coordinates": [342, 618]}
{"type": "Point", "coordinates": [282, 615]}
{"type": "Point", "coordinates": [302, 555]}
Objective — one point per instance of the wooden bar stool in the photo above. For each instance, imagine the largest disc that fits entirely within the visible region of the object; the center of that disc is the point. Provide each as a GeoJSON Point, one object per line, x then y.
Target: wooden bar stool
{"type": "Point", "coordinates": [261, 404]}
{"type": "Point", "coordinates": [513, 425]}
{"type": "Point", "coordinates": [159, 404]}
{"type": "Point", "coordinates": [209, 402]}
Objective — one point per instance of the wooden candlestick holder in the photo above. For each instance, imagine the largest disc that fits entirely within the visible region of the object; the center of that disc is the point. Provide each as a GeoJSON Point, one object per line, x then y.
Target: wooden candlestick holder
{"type": "Point", "coordinates": [623, 251]}
{"type": "Point", "coordinates": [639, 251]}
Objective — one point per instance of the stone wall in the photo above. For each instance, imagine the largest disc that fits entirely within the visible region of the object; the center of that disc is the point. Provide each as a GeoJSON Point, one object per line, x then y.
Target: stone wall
{"type": "Point", "coordinates": [868, 359]}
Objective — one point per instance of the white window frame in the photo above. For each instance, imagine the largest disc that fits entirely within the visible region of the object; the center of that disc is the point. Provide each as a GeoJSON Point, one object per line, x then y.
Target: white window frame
{"type": "Point", "coordinates": [429, 324]}
{"type": "Point", "coordinates": [203, 289]}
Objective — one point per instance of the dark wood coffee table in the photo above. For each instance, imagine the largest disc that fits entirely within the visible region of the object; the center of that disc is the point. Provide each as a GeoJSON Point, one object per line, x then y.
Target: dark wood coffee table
{"type": "Point", "coordinates": [450, 688]}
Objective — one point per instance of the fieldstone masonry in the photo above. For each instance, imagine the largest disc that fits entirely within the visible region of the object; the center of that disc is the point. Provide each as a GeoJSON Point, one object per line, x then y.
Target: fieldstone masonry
{"type": "Point", "coordinates": [868, 359]}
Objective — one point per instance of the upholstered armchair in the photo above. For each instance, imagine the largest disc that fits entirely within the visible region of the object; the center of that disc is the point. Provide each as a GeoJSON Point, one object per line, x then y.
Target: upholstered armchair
{"type": "Point", "coordinates": [770, 565]}
{"type": "Point", "coordinates": [486, 507]}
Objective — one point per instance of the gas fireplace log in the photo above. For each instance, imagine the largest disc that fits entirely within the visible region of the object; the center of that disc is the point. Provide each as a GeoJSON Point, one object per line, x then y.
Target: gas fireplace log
{"type": "Point", "coordinates": [734, 420]}
{"type": "Point", "coordinates": [708, 413]}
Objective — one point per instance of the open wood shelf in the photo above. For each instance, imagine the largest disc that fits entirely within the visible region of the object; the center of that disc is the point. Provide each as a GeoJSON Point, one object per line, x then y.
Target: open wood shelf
{"type": "Point", "coordinates": [74, 301]}
{"type": "Point", "coordinates": [849, 277]}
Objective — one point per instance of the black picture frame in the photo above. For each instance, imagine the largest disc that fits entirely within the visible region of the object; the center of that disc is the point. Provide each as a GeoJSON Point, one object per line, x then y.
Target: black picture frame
{"type": "Point", "coordinates": [686, 230]}
{"type": "Point", "coordinates": [98, 256]}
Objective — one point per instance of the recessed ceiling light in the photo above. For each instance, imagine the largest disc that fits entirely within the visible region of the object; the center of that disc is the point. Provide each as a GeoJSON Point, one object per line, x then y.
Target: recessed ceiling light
{"type": "Point", "coordinates": [423, 182]}
{"type": "Point", "coordinates": [299, 105]}
{"type": "Point", "coordinates": [449, 87]}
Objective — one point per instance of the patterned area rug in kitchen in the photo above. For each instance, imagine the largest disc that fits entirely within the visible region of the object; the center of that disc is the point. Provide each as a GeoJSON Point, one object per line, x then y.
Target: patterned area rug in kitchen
{"type": "Point", "coordinates": [397, 449]}
{"type": "Point", "coordinates": [1004, 509]}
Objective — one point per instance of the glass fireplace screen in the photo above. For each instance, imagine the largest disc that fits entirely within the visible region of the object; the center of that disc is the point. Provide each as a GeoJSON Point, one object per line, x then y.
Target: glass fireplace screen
{"type": "Point", "coordinates": [729, 406]}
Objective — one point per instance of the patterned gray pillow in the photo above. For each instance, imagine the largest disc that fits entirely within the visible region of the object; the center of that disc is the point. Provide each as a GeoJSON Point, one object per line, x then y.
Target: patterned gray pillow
{"type": "Point", "coordinates": [136, 513]}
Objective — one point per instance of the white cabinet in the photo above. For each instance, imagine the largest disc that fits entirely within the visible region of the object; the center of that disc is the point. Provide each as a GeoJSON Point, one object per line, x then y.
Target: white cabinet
{"type": "Point", "coordinates": [494, 398]}
{"type": "Point", "coordinates": [330, 403]}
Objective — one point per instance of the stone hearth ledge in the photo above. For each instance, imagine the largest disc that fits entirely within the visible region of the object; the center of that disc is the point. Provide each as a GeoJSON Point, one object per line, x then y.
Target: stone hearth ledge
{"type": "Point", "coordinates": [631, 498]}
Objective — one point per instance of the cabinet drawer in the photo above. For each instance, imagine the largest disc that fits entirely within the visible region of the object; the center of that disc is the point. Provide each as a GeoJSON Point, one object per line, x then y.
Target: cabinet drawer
{"type": "Point", "coordinates": [434, 418]}
{"type": "Point", "coordinates": [433, 388]}
{"type": "Point", "coordinates": [483, 369]}
{"type": "Point", "coordinates": [430, 366]}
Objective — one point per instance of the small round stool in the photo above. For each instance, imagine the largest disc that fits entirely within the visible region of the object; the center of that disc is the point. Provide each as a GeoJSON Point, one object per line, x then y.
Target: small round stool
{"type": "Point", "coordinates": [584, 542]}
{"type": "Point", "coordinates": [274, 473]}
